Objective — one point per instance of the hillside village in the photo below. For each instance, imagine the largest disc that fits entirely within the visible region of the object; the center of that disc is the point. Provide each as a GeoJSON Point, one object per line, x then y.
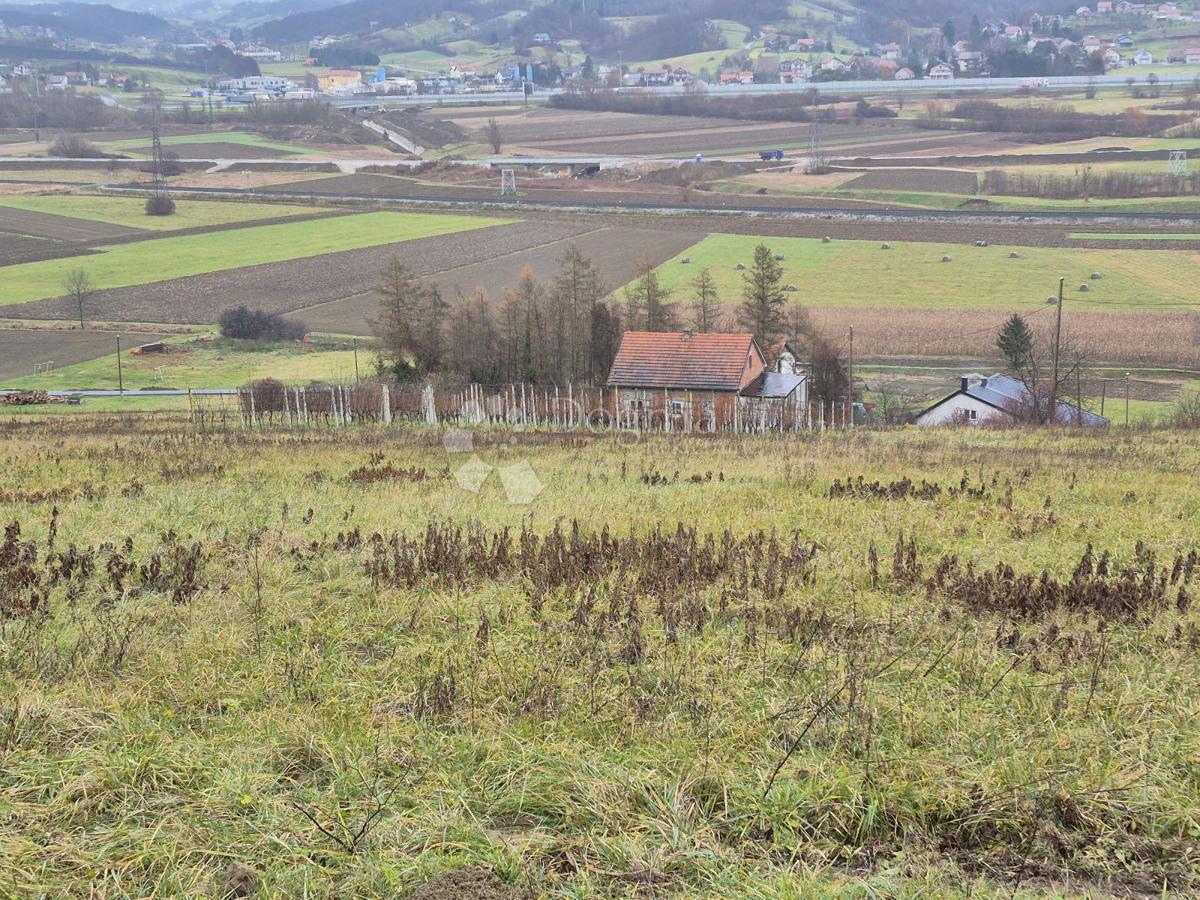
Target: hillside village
{"type": "Point", "coordinates": [242, 67]}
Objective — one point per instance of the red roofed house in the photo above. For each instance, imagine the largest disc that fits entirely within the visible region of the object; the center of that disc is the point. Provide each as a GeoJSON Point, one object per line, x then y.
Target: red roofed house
{"type": "Point", "coordinates": [702, 378]}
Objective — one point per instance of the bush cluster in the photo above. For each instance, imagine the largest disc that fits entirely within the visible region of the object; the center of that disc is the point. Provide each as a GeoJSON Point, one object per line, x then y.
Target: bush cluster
{"type": "Point", "coordinates": [245, 324]}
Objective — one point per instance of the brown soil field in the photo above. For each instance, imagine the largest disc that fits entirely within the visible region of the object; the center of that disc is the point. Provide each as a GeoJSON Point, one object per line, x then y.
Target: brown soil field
{"type": "Point", "coordinates": [296, 284]}
{"type": "Point", "coordinates": [616, 251]}
{"type": "Point", "coordinates": [235, 178]}
{"type": "Point", "coordinates": [62, 228]}
{"type": "Point", "coordinates": [21, 349]}
{"type": "Point", "coordinates": [942, 181]}
{"type": "Point", "coordinates": [1131, 339]}
{"type": "Point", "coordinates": [218, 150]}
{"type": "Point", "coordinates": [21, 248]}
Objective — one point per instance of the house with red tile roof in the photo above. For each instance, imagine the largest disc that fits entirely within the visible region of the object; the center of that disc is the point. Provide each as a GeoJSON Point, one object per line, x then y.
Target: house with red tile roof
{"type": "Point", "coordinates": [687, 375]}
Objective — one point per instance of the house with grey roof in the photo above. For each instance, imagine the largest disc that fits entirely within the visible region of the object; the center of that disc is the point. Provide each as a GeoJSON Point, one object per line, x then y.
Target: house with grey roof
{"type": "Point", "coordinates": [997, 400]}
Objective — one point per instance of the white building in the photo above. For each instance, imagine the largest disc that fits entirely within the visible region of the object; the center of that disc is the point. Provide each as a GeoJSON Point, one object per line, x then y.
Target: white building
{"type": "Point", "coordinates": [1143, 58]}
{"type": "Point", "coordinates": [941, 72]}
{"type": "Point", "coordinates": [257, 83]}
{"type": "Point", "coordinates": [997, 400]}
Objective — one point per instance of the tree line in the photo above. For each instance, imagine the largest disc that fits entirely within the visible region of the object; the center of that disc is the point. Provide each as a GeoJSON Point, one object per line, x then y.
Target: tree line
{"type": "Point", "coordinates": [568, 329]}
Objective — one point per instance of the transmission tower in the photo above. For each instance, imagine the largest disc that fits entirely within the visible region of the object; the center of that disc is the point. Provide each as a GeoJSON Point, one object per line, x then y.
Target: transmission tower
{"type": "Point", "coordinates": [816, 145]}
{"type": "Point", "coordinates": [1178, 163]}
{"type": "Point", "coordinates": [160, 202]}
{"type": "Point", "coordinates": [508, 183]}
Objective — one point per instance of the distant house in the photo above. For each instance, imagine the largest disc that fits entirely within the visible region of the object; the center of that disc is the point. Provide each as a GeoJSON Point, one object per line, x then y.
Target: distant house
{"type": "Point", "coordinates": [1125, 42]}
{"type": "Point", "coordinates": [1169, 12]}
{"type": "Point", "coordinates": [1104, 6]}
{"type": "Point", "coordinates": [905, 74]}
{"type": "Point", "coordinates": [339, 80]}
{"type": "Point", "coordinates": [970, 62]}
{"type": "Point", "coordinates": [677, 370]}
{"type": "Point", "coordinates": [890, 51]}
{"type": "Point", "coordinates": [1091, 42]}
{"type": "Point", "coordinates": [1113, 59]}
{"type": "Point", "coordinates": [941, 72]}
{"type": "Point", "coordinates": [793, 70]}
{"type": "Point", "coordinates": [1084, 12]}
{"type": "Point", "coordinates": [57, 83]}
{"type": "Point", "coordinates": [1143, 58]}
{"type": "Point", "coordinates": [541, 38]}
{"type": "Point", "coordinates": [998, 399]}
{"type": "Point", "coordinates": [833, 64]}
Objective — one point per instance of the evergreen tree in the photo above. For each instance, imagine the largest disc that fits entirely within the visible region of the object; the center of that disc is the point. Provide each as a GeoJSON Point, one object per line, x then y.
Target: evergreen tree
{"type": "Point", "coordinates": [399, 309]}
{"type": "Point", "coordinates": [706, 310]}
{"type": "Point", "coordinates": [647, 308]}
{"type": "Point", "coordinates": [761, 311]}
{"type": "Point", "coordinates": [1015, 343]}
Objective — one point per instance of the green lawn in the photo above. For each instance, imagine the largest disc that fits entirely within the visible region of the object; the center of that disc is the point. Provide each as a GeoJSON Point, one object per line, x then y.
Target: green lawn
{"type": "Point", "coordinates": [131, 211]}
{"type": "Point", "coordinates": [216, 137]}
{"type": "Point", "coordinates": [860, 273]}
{"type": "Point", "coordinates": [145, 262]}
{"type": "Point", "coordinates": [207, 362]}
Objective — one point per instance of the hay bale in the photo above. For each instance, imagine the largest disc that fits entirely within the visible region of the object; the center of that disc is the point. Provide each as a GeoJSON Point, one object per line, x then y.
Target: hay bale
{"type": "Point", "coordinates": [886, 247]}
{"type": "Point", "coordinates": [791, 288]}
{"type": "Point", "coordinates": [1083, 289]}
{"type": "Point", "coordinates": [1096, 276]}
{"type": "Point", "coordinates": [1014, 255]}
{"type": "Point", "coordinates": [685, 260]}
{"type": "Point", "coordinates": [741, 267]}
{"type": "Point", "coordinates": [947, 259]}
{"type": "Point", "coordinates": [778, 257]}
{"type": "Point", "coordinates": [826, 240]}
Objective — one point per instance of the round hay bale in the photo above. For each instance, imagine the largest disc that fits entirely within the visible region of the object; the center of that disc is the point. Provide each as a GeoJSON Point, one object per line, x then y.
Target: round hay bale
{"type": "Point", "coordinates": [778, 257]}
{"type": "Point", "coordinates": [886, 247]}
{"type": "Point", "coordinates": [947, 259]}
{"type": "Point", "coordinates": [1096, 276]}
{"type": "Point", "coordinates": [983, 243]}
{"type": "Point", "coordinates": [1014, 255]}
{"type": "Point", "coordinates": [826, 240]}
{"type": "Point", "coordinates": [1083, 289]}
{"type": "Point", "coordinates": [685, 260]}
{"type": "Point", "coordinates": [741, 267]}
{"type": "Point", "coordinates": [1051, 299]}
{"type": "Point", "coordinates": [791, 288]}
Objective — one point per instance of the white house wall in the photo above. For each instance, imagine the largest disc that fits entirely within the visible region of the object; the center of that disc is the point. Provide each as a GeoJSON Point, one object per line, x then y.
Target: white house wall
{"type": "Point", "coordinates": [957, 411]}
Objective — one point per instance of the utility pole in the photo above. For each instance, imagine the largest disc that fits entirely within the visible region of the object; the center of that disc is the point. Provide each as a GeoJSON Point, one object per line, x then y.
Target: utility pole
{"type": "Point", "coordinates": [1057, 346]}
{"type": "Point", "coordinates": [851, 376]}
{"type": "Point", "coordinates": [357, 380]}
{"type": "Point", "coordinates": [1127, 398]}
{"type": "Point", "coordinates": [120, 372]}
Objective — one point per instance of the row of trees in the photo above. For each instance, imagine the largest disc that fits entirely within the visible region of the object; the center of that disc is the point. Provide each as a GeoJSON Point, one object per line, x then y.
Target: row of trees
{"type": "Point", "coordinates": [568, 330]}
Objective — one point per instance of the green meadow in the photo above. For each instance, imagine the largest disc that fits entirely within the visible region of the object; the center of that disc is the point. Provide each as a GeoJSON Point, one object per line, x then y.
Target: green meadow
{"type": "Point", "coordinates": [145, 262]}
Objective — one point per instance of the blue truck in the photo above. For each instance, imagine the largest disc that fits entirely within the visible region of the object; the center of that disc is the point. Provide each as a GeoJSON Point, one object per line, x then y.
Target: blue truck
{"type": "Point", "coordinates": [766, 155]}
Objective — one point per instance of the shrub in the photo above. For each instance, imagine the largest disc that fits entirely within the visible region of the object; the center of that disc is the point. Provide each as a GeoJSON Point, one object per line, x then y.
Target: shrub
{"type": "Point", "coordinates": [245, 324]}
{"type": "Point", "coordinates": [1186, 411]}
{"type": "Point", "coordinates": [72, 146]}
{"type": "Point", "coordinates": [160, 205]}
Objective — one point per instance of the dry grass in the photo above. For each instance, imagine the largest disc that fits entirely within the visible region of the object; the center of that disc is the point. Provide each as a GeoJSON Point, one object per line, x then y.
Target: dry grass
{"type": "Point", "coordinates": [1154, 339]}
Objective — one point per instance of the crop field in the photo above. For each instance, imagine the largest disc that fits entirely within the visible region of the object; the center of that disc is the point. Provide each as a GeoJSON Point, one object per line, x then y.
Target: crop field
{"type": "Point", "coordinates": [19, 248]}
{"type": "Point", "coordinates": [857, 664]}
{"type": "Point", "coordinates": [23, 349]}
{"type": "Point", "coordinates": [39, 223]}
{"type": "Point", "coordinates": [130, 212]}
{"type": "Point", "coordinates": [121, 265]}
{"type": "Point", "coordinates": [243, 144]}
{"type": "Point", "coordinates": [616, 252]}
{"type": "Point", "coordinates": [201, 362]}
{"type": "Point", "coordinates": [947, 181]}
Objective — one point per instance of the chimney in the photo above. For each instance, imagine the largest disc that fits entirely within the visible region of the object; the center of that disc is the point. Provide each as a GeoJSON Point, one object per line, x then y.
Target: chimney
{"type": "Point", "coordinates": [687, 335]}
{"type": "Point", "coordinates": [965, 383]}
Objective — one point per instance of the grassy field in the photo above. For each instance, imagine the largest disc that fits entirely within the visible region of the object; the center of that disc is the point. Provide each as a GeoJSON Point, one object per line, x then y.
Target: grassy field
{"type": "Point", "coordinates": [851, 273]}
{"type": "Point", "coordinates": [224, 666]}
{"type": "Point", "coordinates": [214, 137]}
{"type": "Point", "coordinates": [205, 362]}
{"type": "Point", "coordinates": [121, 265]}
{"type": "Point", "coordinates": [131, 211]}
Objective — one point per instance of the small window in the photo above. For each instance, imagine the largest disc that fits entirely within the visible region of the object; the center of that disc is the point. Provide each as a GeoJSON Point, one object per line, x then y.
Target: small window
{"type": "Point", "coordinates": [972, 414]}
{"type": "Point", "coordinates": [677, 407]}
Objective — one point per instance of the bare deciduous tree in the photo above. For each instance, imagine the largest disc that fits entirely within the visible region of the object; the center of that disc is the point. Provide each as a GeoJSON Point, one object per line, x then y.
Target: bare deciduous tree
{"type": "Point", "coordinates": [78, 286]}
{"type": "Point", "coordinates": [495, 137]}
